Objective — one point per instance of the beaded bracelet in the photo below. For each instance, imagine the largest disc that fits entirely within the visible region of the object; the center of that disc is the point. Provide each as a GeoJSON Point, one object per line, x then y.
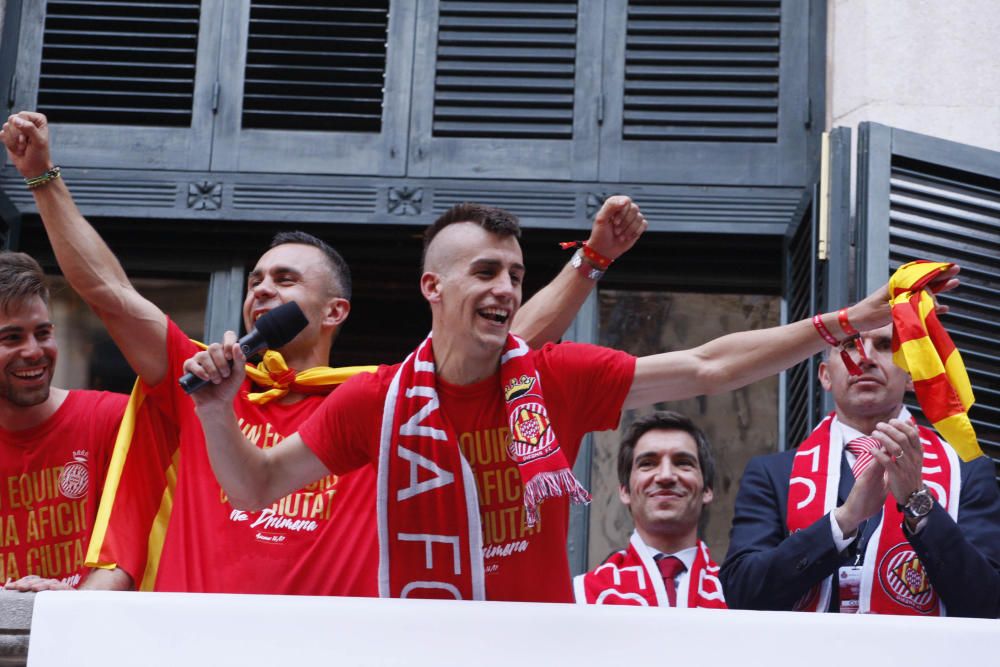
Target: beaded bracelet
{"type": "Point", "coordinates": [39, 181]}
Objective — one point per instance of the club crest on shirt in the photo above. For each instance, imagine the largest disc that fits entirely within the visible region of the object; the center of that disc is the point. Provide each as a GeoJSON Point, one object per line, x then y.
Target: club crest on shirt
{"type": "Point", "coordinates": [74, 476]}
{"type": "Point", "coordinates": [518, 387]}
{"type": "Point", "coordinates": [530, 432]}
{"type": "Point", "coordinates": [904, 579]}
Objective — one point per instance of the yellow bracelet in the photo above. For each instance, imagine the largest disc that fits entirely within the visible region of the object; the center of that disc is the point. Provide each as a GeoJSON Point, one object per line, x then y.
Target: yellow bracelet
{"type": "Point", "coordinates": [39, 181]}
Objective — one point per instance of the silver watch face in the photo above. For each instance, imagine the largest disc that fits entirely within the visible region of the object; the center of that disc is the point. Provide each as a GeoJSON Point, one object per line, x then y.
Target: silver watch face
{"type": "Point", "coordinates": [919, 504]}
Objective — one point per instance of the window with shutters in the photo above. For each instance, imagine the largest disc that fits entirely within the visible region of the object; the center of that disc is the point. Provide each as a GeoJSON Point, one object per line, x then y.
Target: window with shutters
{"type": "Point", "coordinates": [506, 89]}
{"type": "Point", "coordinates": [247, 85]}
{"type": "Point", "coordinates": [505, 71]}
{"type": "Point", "coordinates": [664, 91]}
{"type": "Point", "coordinates": [119, 63]}
{"type": "Point", "coordinates": [701, 71]}
{"type": "Point", "coordinates": [126, 79]}
{"type": "Point", "coordinates": [315, 68]}
{"type": "Point", "coordinates": [315, 87]}
{"type": "Point", "coordinates": [926, 198]}
{"type": "Point", "coordinates": [690, 84]}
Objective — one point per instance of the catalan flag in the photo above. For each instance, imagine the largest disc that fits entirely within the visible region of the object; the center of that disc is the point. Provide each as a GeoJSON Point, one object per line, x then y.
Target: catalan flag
{"type": "Point", "coordinates": [922, 347]}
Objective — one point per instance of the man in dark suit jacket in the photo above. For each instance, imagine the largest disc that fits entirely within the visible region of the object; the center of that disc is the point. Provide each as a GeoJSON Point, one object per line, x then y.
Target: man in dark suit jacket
{"type": "Point", "coordinates": [917, 532]}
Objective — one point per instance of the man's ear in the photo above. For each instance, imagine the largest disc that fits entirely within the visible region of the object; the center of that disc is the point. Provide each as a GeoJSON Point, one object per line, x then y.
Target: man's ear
{"type": "Point", "coordinates": [624, 497]}
{"type": "Point", "coordinates": [430, 286]}
{"type": "Point", "coordinates": [707, 495]}
{"type": "Point", "coordinates": [337, 310]}
{"type": "Point", "coordinates": [824, 376]}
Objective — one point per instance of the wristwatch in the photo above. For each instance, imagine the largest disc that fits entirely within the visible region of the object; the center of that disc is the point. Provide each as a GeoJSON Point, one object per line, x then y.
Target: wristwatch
{"type": "Point", "coordinates": [918, 504]}
{"type": "Point", "coordinates": [583, 266]}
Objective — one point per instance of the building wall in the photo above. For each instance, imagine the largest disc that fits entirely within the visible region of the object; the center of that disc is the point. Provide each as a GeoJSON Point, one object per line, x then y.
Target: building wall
{"type": "Point", "coordinates": [919, 65]}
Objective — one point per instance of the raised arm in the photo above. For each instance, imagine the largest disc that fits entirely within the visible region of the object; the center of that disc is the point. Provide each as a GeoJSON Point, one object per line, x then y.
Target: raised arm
{"type": "Point", "coordinates": [547, 315]}
{"type": "Point", "coordinates": [738, 359]}
{"type": "Point", "coordinates": [137, 326]}
{"type": "Point", "coordinates": [253, 478]}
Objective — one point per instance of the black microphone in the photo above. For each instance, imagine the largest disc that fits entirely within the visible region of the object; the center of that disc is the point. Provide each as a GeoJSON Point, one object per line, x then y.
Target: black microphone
{"type": "Point", "coordinates": [275, 328]}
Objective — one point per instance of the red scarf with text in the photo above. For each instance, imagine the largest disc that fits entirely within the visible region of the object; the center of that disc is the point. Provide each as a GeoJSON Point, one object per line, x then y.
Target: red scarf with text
{"type": "Point", "coordinates": [893, 579]}
{"type": "Point", "coordinates": [630, 577]}
{"type": "Point", "coordinates": [430, 538]}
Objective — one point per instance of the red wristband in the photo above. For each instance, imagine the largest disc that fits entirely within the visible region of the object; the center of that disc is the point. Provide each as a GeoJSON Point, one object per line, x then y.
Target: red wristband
{"type": "Point", "coordinates": [824, 333]}
{"type": "Point", "coordinates": [596, 259]}
{"type": "Point", "coordinates": [844, 323]}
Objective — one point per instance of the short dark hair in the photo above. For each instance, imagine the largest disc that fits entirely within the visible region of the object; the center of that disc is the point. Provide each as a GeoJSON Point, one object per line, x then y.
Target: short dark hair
{"type": "Point", "coordinates": [491, 218]}
{"type": "Point", "coordinates": [21, 279]}
{"type": "Point", "coordinates": [339, 268]}
{"type": "Point", "coordinates": [665, 420]}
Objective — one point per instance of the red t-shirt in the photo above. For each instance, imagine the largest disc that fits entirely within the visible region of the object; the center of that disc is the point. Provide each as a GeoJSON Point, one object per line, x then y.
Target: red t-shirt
{"type": "Point", "coordinates": [584, 387]}
{"type": "Point", "coordinates": [320, 540]}
{"type": "Point", "coordinates": [52, 476]}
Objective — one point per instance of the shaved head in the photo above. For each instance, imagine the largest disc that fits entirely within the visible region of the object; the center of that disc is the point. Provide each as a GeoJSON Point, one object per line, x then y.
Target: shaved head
{"type": "Point", "coordinates": [494, 220]}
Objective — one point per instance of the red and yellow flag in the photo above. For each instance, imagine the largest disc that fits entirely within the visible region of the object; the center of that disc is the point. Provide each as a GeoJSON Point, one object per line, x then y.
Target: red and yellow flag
{"type": "Point", "coordinates": [922, 347]}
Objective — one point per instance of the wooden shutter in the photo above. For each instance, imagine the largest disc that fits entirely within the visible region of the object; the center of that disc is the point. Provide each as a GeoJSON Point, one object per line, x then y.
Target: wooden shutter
{"type": "Point", "coordinates": [119, 63]}
{"type": "Point", "coordinates": [816, 274]}
{"type": "Point", "coordinates": [505, 70]}
{"type": "Point", "coordinates": [312, 67]}
{"type": "Point", "coordinates": [707, 91]}
{"type": "Point", "coordinates": [125, 84]}
{"type": "Point", "coordinates": [315, 87]}
{"type": "Point", "coordinates": [502, 89]}
{"type": "Point", "coordinates": [803, 277]}
{"type": "Point", "coordinates": [926, 198]}
{"type": "Point", "coordinates": [702, 71]}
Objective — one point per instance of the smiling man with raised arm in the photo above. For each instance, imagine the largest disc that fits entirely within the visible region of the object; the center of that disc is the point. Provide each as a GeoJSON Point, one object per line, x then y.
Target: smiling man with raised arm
{"type": "Point", "coordinates": [317, 538]}
{"type": "Point", "coordinates": [473, 431]}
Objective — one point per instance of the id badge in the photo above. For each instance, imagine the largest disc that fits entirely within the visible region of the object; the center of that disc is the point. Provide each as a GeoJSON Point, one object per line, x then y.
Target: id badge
{"type": "Point", "coordinates": [849, 580]}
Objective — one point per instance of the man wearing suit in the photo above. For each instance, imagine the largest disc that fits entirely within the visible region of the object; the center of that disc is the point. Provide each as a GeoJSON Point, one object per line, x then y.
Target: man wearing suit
{"type": "Point", "coordinates": [870, 513]}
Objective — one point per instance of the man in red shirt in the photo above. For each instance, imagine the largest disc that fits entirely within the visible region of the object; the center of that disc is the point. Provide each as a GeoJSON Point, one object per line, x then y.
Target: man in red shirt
{"type": "Point", "coordinates": [470, 379]}
{"type": "Point", "coordinates": [55, 444]}
{"type": "Point", "coordinates": [317, 538]}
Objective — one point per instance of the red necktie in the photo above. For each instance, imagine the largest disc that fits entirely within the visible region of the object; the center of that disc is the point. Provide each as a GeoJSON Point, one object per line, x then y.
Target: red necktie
{"type": "Point", "coordinates": [862, 449]}
{"type": "Point", "coordinates": [670, 567]}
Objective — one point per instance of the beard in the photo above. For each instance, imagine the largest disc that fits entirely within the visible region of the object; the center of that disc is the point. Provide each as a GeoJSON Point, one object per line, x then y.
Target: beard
{"type": "Point", "coordinates": [24, 398]}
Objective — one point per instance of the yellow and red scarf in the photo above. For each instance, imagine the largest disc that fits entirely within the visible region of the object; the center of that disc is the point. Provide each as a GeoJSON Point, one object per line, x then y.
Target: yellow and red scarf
{"type": "Point", "coordinates": [922, 347]}
{"type": "Point", "coordinates": [139, 489]}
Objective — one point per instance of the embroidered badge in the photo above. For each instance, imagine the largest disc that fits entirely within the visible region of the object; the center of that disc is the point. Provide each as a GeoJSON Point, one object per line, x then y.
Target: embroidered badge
{"type": "Point", "coordinates": [530, 432]}
{"type": "Point", "coordinates": [518, 387]}
{"type": "Point", "coordinates": [75, 475]}
{"type": "Point", "coordinates": [904, 579]}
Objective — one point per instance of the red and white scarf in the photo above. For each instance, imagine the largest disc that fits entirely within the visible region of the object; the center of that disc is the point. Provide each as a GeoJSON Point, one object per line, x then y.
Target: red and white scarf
{"type": "Point", "coordinates": [430, 538]}
{"type": "Point", "coordinates": [893, 580]}
{"type": "Point", "coordinates": [631, 577]}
